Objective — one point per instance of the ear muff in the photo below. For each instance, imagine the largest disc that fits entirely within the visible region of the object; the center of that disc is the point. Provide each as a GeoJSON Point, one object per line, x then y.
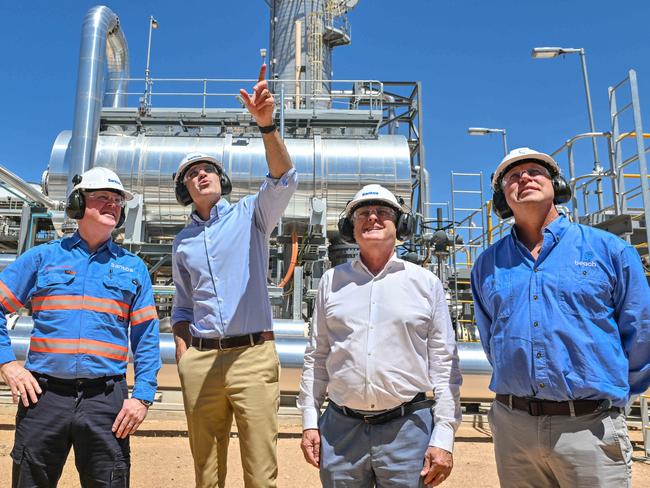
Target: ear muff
{"type": "Point", "coordinates": [562, 189]}
{"type": "Point", "coordinates": [75, 206]}
{"type": "Point", "coordinates": [561, 192]}
{"type": "Point", "coordinates": [183, 195]}
{"type": "Point", "coordinates": [346, 230]}
{"type": "Point", "coordinates": [405, 226]}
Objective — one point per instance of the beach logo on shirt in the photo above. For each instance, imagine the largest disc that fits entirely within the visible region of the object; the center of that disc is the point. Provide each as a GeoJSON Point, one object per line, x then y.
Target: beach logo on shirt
{"type": "Point", "coordinates": [587, 260]}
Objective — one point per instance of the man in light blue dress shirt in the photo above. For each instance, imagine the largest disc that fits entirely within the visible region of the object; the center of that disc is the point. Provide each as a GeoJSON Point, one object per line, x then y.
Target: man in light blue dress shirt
{"type": "Point", "coordinates": [221, 317]}
{"type": "Point", "coordinates": [564, 315]}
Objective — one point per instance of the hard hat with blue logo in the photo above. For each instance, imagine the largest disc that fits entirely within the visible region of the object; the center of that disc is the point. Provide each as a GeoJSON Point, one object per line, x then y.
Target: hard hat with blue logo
{"type": "Point", "coordinates": [372, 194]}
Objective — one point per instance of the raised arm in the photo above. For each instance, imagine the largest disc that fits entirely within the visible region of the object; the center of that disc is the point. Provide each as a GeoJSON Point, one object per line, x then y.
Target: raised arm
{"type": "Point", "coordinates": [261, 104]}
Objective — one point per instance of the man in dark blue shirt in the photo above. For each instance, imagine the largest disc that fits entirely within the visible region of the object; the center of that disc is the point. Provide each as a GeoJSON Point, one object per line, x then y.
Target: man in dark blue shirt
{"type": "Point", "coordinates": [564, 316]}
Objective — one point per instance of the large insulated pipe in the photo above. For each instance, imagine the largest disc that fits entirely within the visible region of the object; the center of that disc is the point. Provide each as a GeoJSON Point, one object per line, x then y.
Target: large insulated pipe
{"type": "Point", "coordinates": [99, 25]}
{"type": "Point", "coordinates": [290, 344]}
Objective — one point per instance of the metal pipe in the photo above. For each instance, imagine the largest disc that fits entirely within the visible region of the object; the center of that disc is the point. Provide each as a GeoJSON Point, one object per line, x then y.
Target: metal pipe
{"type": "Point", "coordinates": [117, 58]}
{"type": "Point", "coordinates": [100, 23]}
{"type": "Point", "coordinates": [474, 365]}
{"type": "Point", "coordinates": [28, 190]}
{"type": "Point", "coordinates": [298, 28]}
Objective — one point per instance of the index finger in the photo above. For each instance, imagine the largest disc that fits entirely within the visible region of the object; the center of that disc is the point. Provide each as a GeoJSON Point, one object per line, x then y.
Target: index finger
{"type": "Point", "coordinates": [262, 72]}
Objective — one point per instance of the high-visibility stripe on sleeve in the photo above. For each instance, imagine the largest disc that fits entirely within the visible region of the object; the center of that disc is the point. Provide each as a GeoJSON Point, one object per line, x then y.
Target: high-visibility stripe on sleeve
{"type": "Point", "coordinates": [142, 315]}
{"type": "Point", "coordinates": [78, 346]}
{"type": "Point", "coordinates": [8, 299]}
{"type": "Point", "coordinates": [80, 302]}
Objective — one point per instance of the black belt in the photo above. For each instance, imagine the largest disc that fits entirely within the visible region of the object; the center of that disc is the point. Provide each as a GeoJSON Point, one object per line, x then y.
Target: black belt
{"type": "Point", "coordinates": [78, 384]}
{"type": "Point", "coordinates": [418, 402]}
{"type": "Point", "coordinates": [574, 408]}
{"type": "Point", "coordinates": [234, 341]}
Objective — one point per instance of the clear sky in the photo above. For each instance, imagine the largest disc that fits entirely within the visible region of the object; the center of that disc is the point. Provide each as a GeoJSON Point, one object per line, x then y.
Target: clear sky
{"type": "Point", "coordinates": [472, 57]}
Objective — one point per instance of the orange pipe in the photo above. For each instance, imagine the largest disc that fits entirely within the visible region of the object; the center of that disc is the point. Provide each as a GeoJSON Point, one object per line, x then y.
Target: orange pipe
{"type": "Point", "coordinates": [294, 260]}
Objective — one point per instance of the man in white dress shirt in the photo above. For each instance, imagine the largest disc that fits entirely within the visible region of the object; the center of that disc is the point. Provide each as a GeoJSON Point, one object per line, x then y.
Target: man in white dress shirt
{"type": "Point", "coordinates": [381, 338]}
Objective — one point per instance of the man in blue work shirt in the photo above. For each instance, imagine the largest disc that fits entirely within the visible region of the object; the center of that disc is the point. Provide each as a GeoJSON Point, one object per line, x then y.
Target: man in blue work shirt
{"type": "Point", "coordinates": [564, 316]}
{"type": "Point", "coordinates": [88, 298]}
{"type": "Point", "coordinates": [221, 317]}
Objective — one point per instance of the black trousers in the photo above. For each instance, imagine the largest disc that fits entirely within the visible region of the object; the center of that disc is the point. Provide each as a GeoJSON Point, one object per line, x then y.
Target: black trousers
{"type": "Point", "coordinates": [77, 414]}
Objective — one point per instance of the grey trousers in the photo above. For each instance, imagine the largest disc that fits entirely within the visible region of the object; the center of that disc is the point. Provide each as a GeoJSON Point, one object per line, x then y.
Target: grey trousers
{"type": "Point", "coordinates": [560, 451]}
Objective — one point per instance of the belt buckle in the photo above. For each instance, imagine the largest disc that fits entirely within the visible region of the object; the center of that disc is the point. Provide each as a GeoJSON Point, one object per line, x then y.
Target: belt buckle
{"type": "Point", "coordinates": [534, 408]}
{"type": "Point", "coordinates": [366, 418]}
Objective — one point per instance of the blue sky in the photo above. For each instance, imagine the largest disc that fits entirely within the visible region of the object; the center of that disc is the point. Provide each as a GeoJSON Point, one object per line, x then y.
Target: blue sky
{"type": "Point", "coordinates": [472, 57]}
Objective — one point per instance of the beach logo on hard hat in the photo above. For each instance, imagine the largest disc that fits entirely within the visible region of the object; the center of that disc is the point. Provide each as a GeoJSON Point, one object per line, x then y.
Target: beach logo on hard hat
{"type": "Point", "coordinates": [110, 180]}
{"type": "Point", "coordinates": [370, 193]}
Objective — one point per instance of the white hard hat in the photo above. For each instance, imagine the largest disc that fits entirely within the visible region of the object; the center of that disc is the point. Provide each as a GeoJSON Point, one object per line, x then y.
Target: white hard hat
{"type": "Point", "coordinates": [518, 156]}
{"type": "Point", "coordinates": [99, 178]}
{"type": "Point", "coordinates": [192, 158]}
{"type": "Point", "coordinates": [372, 193]}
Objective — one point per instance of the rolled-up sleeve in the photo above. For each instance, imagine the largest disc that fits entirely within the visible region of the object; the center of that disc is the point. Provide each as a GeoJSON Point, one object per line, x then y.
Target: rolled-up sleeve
{"type": "Point", "coordinates": [273, 198]}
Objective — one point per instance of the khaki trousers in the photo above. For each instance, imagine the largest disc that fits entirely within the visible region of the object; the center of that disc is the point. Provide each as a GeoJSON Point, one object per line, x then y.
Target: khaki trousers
{"type": "Point", "coordinates": [590, 451]}
{"type": "Point", "coordinates": [218, 384]}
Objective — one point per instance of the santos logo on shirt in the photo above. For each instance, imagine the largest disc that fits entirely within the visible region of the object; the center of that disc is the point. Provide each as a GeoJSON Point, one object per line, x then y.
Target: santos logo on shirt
{"type": "Point", "coordinates": [123, 268]}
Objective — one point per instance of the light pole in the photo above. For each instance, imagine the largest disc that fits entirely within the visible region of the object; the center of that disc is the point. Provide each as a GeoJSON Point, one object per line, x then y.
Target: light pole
{"type": "Point", "coordinates": [153, 24]}
{"type": "Point", "coordinates": [482, 131]}
{"type": "Point", "coordinates": [553, 52]}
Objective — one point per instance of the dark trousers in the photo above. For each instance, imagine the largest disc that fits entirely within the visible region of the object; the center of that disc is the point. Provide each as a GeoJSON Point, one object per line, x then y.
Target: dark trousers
{"type": "Point", "coordinates": [77, 414]}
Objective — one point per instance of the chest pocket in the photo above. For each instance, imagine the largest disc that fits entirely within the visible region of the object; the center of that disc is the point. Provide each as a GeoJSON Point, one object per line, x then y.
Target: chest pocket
{"type": "Point", "coordinates": [585, 291]}
{"type": "Point", "coordinates": [55, 281]}
{"type": "Point", "coordinates": [497, 292]}
{"type": "Point", "coordinates": [122, 288]}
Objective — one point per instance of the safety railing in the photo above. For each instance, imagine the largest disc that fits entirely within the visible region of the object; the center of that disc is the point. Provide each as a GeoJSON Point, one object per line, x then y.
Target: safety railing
{"type": "Point", "coordinates": [301, 93]}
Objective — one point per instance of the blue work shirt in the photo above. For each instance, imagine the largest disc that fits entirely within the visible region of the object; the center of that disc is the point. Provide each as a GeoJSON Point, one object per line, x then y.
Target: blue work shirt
{"type": "Point", "coordinates": [220, 265]}
{"type": "Point", "coordinates": [573, 325]}
{"type": "Point", "coordinates": [85, 306]}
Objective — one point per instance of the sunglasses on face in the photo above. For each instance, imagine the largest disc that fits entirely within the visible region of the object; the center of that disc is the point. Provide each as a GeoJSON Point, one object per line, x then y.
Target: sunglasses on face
{"type": "Point", "coordinates": [106, 197]}
{"type": "Point", "coordinates": [382, 213]}
{"type": "Point", "coordinates": [515, 176]}
{"type": "Point", "coordinates": [194, 171]}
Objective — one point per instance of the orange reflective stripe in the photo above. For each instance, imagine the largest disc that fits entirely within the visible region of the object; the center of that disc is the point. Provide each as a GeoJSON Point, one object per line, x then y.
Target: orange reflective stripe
{"type": "Point", "coordinates": [143, 314]}
{"type": "Point", "coordinates": [80, 302]}
{"type": "Point", "coordinates": [79, 346]}
{"type": "Point", "coordinates": [8, 299]}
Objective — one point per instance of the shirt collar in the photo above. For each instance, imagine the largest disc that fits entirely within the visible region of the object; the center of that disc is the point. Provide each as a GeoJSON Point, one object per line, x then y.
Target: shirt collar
{"type": "Point", "coordinates": [556, 228]}
{"type": "Point", "coordinates": [77, 240]}
{"type": "Point", "coordinates": [392, 263]}
{"type": "Point", "coordinates": [216, 211]}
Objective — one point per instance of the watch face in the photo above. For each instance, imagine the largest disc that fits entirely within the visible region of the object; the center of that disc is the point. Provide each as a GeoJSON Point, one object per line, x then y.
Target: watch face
{"type": "Point", "coordinates": [146, 403]}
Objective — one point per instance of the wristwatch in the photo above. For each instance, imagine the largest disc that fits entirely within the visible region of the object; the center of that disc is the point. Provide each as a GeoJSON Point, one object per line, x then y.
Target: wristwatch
{"type": "Point", "coordinates": [146, 403]}
{"type": "Point", "coordinates": [267, 129]}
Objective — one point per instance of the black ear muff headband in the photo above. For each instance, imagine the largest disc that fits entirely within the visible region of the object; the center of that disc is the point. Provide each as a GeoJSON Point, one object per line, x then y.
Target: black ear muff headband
{"type": "Point", "coordinates": [183, 195]}
{"type": "Point", "coordinates": [561, 189]}
{"type": "Point", "coordinates": [75, 205]}
{"type": "Point", "coordinates": [405, 225]}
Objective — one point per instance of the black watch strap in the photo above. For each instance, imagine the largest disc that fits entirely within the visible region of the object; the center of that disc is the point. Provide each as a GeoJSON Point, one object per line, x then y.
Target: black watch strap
{"type": "Point", "coordinates": [146, 403]}
{"type": "Point", "coordinates": [267, 129]}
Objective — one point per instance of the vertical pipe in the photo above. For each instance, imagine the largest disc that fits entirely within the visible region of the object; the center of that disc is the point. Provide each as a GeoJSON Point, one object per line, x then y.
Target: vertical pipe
{"type": "Point", "coordinates": [99, 23]}
{"type": "Point", "coordinates": [592, 128]}
{"type": "Point", "coordinates": [298, 33]}
{"type": "Point", "coordinates": [282, 110]}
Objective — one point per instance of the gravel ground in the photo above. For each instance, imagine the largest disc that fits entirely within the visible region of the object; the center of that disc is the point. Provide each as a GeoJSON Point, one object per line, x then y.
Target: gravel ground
{"type": "Point", "coordinates": [161, 455]}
